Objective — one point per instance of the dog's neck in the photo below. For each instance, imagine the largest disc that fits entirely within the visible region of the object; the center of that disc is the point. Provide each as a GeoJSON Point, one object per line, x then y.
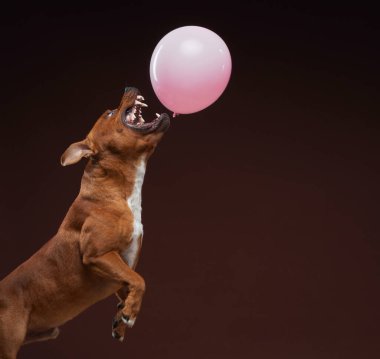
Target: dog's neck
{"type": "Point", "coordinates": [112, 179]}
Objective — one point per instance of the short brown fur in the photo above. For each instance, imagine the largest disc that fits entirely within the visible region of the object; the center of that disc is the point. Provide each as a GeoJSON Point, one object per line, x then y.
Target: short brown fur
{"type": "Point", "coordinates": [83, 264]}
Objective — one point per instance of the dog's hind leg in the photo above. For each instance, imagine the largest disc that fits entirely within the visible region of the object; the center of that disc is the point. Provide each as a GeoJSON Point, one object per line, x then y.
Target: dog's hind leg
{"type": "Point", "coordinates": [12, 332]}
{"type": "Point", "coordinates": [42, 336]}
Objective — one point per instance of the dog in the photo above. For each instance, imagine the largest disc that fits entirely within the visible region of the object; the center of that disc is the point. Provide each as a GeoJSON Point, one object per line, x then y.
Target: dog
{"type": "Point", "coordinates": [95, 251]}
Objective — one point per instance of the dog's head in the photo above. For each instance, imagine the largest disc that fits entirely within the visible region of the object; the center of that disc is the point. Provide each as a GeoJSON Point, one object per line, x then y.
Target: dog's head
{"type": "Point", "coordinates": [121, 133]}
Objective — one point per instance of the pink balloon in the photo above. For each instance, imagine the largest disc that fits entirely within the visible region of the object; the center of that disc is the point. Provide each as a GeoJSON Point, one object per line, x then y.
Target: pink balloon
{"type": "Point", "coordinates": [190, 68]}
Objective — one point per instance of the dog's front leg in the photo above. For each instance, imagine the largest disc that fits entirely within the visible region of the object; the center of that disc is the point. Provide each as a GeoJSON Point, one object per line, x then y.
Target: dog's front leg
{"type": "Point", "coordinates": [112, 266]}
{"type": "Point", "coordinates": [118, 326]}
{"type": "Point", "coordinates": [122, 295]}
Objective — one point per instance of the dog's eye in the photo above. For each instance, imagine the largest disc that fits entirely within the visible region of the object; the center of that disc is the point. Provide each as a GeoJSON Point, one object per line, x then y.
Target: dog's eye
{"type": "Point", "coordinates": [110, 113]}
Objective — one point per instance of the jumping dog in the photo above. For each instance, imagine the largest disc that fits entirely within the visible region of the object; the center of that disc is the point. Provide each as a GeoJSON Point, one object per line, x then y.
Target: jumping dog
{"type": "Point", "coordinates": [96, 248]}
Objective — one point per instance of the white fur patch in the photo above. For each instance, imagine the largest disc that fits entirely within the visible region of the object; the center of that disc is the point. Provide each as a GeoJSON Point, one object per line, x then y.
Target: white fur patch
{"type": "Point", "coordinates": [134, 203]}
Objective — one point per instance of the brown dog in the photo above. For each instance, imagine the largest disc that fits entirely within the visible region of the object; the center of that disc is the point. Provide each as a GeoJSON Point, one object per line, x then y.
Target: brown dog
{"type": "Point", "coordinates": [96, 248]}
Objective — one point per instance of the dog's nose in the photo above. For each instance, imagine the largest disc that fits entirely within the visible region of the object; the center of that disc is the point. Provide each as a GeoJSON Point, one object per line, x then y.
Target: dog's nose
{"type": "Point", "coordinates": [132, 90]}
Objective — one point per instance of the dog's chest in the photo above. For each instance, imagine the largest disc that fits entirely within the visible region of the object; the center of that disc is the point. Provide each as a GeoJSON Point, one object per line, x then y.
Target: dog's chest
{"type": "Point", "coordinates": [134, 204]}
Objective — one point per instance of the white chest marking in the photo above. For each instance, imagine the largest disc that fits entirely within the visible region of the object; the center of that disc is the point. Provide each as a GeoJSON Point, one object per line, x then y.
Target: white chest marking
{"type": "Point", "coordinates": [134, 203]}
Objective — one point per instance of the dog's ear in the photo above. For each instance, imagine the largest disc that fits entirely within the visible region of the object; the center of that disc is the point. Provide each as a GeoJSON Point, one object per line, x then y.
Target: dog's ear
{"type": "Point", "coordinates": [75, 152]}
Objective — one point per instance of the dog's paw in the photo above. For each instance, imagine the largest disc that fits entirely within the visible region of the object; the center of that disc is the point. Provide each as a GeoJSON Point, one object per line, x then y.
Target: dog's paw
{"type": "Point", "coordinates": [129, 322]}
{"type": "Point", "coordinates": [118, 329]}
{"type": "Point", "coordinates": [117, 336]}
{"type": "Point", "coordinates": [120, 305]}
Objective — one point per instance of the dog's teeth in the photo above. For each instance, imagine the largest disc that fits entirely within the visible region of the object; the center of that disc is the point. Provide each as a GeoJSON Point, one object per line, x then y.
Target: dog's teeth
{"type": "Point", "coordinates": [139, 97]}
{"type": "Point", "coordinates": [158, 115]}
{"type": "Point", "coordinates": [140, 104]}
{"type": "Point", "coordinates": [133, 117]}
{"type": "Point", "coordinates": [130, 117]}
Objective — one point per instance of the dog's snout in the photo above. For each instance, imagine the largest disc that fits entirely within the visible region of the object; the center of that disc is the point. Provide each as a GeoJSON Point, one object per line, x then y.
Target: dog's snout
{"type": "Point", "coordinates": [131, 90]}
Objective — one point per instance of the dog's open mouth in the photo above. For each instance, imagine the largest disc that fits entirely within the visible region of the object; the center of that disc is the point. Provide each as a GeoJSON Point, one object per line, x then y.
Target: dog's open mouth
{"type": "Point", "coordinates": [133, 118]}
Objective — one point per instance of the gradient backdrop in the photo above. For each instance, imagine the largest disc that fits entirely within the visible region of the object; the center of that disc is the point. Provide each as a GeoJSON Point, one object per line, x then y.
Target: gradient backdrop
{"type": "Point", "coordinates": [260, 212]}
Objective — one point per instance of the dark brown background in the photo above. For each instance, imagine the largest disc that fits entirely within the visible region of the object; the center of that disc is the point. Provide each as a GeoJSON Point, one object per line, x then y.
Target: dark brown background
{"type": "Point", "coordinates": [260, 212]}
